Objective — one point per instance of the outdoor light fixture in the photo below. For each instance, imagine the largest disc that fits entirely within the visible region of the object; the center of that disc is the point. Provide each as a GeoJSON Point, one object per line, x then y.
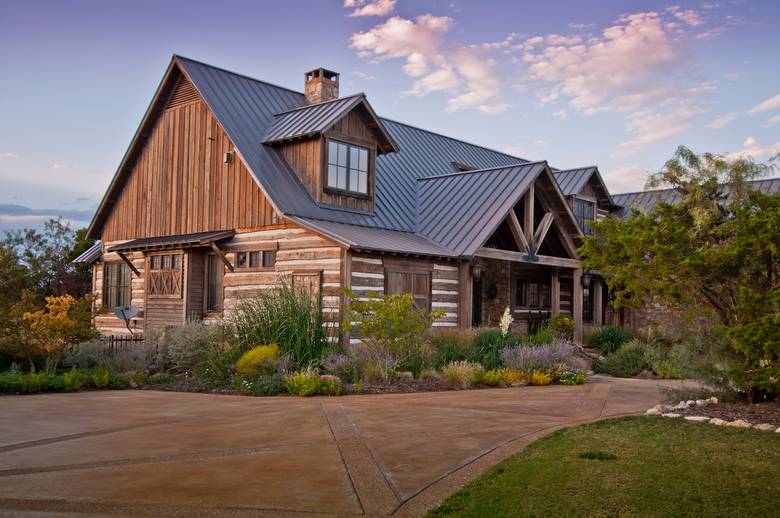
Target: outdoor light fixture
{"type": "Point", "coordinates": [228, 158]}
{"type": "Point", "coordinates": [476, 270]}
{"type": "Point", "coordinates": [586, 278]}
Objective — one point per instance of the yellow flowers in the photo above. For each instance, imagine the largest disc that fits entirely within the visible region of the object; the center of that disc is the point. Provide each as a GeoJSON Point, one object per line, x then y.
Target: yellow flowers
{"type": "Point", "coordinates": [260, 360]}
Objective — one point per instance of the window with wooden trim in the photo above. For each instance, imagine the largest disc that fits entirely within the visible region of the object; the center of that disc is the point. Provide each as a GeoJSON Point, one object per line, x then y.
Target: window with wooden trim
{"type": "Point", "coordinates": [309, 283]}
{"type": "Point", "coordinates": [256, 259]}
{"type": "Point", "coordinates": [116, 285]}
{"type": "Point", "coordinates": [215, 271]}
{"type": "Point", "coordinates": [165, 275]}
{"type": "Point", "coordinates": [348, 167]}
{"type": "Point", "coordinates": [585, 213]}
{"type": "Point", "coordinates": [587, 304]}
{"type": "Point", "coordinates": [531, 294]}
{"type": "Point", "coordinates": [520, 292]}
{"type": "Point", "coordinates": [417, 284]}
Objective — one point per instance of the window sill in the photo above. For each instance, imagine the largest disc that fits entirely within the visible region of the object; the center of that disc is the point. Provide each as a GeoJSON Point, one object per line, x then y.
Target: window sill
{"type": "Point", "coordinates": [343, 192]}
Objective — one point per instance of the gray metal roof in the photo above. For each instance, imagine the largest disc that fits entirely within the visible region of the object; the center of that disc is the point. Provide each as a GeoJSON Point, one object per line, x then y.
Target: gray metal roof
{"type": "Point", "coordinates": [313, 119]}
{"type": "Point", "coordinates": [90, 255]}
{"type": "Point", "coordinates": [573, 181]}
{"type": "Point", "coordinates": [461, 210]}
{"type": "Point", "coordinates": [646, 201]}
{"type": "Point", "coordinates": [376, 239]}
{"type": "Point", "coordinates": [251, 110]}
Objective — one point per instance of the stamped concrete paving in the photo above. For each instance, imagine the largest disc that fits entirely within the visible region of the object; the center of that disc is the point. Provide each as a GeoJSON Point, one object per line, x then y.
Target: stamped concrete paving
{"type": "Point", "coordinates": [145, 453]}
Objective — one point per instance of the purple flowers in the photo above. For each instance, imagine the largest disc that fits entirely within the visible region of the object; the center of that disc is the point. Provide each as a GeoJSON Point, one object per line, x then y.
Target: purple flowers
{"type": "Point", "coordinates": [538, 357]}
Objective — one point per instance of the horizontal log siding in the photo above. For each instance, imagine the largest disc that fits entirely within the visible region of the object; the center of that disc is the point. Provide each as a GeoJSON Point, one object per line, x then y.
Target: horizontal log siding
{"type": "Point", "coordinates": [297, 251]}
{"type": "Point", "coordinates": [180, 184]}
{"type": "Point", "coordinates": [368, 275]}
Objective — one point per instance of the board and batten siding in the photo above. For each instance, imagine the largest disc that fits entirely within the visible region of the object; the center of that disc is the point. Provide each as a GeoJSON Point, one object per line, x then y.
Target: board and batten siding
{"type": "Point", "coordinates": [368, 275]}
{"type": "Point", "coordinates": [180, 183]}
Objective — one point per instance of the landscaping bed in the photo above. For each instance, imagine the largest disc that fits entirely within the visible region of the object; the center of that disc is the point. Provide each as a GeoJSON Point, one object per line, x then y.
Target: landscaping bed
{"type": "Point", "coordinates": [767, 412]}
{"type": "Point", "coordinates": [634, 466]}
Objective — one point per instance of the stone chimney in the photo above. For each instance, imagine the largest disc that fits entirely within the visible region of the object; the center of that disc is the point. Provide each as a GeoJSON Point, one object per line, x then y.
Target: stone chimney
{"type": "Point", "coordinates": [321, 85]}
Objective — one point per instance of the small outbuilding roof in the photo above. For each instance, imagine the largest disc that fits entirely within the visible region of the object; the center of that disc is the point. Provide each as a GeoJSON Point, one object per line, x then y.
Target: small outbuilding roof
{"type": "Point", "coordinates": [165, 242]}
{"type": "Point", "coordinates": [90, 255]}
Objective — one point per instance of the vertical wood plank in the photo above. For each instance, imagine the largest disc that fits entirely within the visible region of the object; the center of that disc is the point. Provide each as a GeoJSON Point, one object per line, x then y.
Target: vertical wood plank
{"type": "Point", "coordinates": [577, 304]}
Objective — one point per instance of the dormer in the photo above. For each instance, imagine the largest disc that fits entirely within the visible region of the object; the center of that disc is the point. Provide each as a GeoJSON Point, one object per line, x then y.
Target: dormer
{"type": "Point", "coordinates": [333, 143]}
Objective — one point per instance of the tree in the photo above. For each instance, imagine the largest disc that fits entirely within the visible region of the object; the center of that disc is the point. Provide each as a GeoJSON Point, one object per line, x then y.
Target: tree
{"type": "Point", "coordinates": [715, 251]}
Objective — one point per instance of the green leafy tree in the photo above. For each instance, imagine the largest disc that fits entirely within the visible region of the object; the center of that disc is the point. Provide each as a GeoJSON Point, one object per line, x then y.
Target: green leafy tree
{"type": "Point", "coordinates": [391, 327]}
{"type": "Point", "coordinates": [715, 252]}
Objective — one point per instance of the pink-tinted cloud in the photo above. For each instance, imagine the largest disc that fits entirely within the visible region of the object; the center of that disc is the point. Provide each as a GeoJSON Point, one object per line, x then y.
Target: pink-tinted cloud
{"type": "Point", "coordinates": [773, 103]}
{"type": "Point", "coordinates": [752, 149]}
{"type": "Point", "coordinates": [722, 122]}
{"type": "Point", "coordinates": [366, 8]}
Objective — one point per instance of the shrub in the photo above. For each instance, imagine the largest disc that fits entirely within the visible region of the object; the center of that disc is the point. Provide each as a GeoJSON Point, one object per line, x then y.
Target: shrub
{"type": "Point", "coordinates": [392, 329]}
{"type": "Point", "coordinates": [99, 378]}
{"type": "Point", "coordinates": [607, 339]}
{"type": "Point", "coordinates": [217, 367]}
{"type": "Point", "coordinates": [162, 378]}
{"type": "Point", "coordinates": [563, 326]}
{"type": "Point", "coordinates": [545, 335]}
{"type": "Point", "coordinates": [451, 345]}
{"type": "Point", "coordinates": [15, 382]}
{"type": "Point", "coordinates": [539, 378]}
{"type": "Point", "coordinates": [285, 316]}
{"type": "Point", "coordinates": [73, 380]}
{"type": "Point", "coordinates": [264, 385]}
{"type": "Point", "coordinates": [329, 386]}
{"type": "Point", "coordinates": [118, 381]}
{"type": "Point", "coordinates": [492, 378]}
{"type": "Point", "coordinates": [631, 359]}
{"type": "Point", "coordinates": [304, 383]}
{"type": "Point", "coordinates": [187, 345]}
{"type": "Point", "coordinates": [430, 375]}
{"type": "Point", "coordinates": [573, 378]}
{"type": "Point", "coordinates": [345, 366]}
{"type": "Point", "coordinates": [512, 377]}
{"type": "Point", "coordinates": [543, 358]}
{"type": "Point", "coordinates": [259, 360]}
{"type": "Point", "coordinates": [488, 345]}
{"type": "Point", "coordinates": [460, 374]}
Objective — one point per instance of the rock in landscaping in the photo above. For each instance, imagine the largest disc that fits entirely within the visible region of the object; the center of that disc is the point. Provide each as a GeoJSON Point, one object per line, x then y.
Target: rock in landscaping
{"type": "Point", "coordinates": [778, 430]}
{"type": "Point", "coordinates": [718, 422]}
{"type": "Point", "coordinates": [701, 402]}
{"type": "Point", "coordinates": [656, 410]}
{"type": "Point", "coordinates": [697, 418]}
{"type": "Point", "coordinates": [406, 376]}
{"type": "Point", "coordinates": [671, 415]}
{"type": "Point", "coordinates": [690, 402]}
{"type": "Point", "coordinates": [682, 405]}
{"type": "Point", "coordinates": [739, 423]}
{"type": "Point", "coordinates": [713, 400]}
{"type": "Point", "coordinates": [765, 427]}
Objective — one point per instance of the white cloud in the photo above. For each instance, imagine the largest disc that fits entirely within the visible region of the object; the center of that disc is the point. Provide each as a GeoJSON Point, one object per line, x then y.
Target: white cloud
{"type": "Point", "coordinates": [560, 114]}
{"type": "Point", "coordinates": [722, 122]}
{"type": "Point", "coordinates": [9, 155]}
{"type": "Point", "coordinates": [687, 16]}
{"type": "Point", "coordinates": [752, 149]}
{"type": "Point", "coordinates": [365, 8]}
{"type": "Point", "coordinates": [57, 166]}
{"type": "Point", "coordinates": [651, 126]}
{"type": "Point", "coordinates": [468, 73]}
{"type": "Point", "coordinates": [773, 120]}
{"type": "Point", "coordinates": [625, 60]}
{"type": "Point", "coordinates": [362, 75]}
{"type": "Point", "coordinates": [770, 104]}
{"type": "Point", "coordinates": [626, 179]}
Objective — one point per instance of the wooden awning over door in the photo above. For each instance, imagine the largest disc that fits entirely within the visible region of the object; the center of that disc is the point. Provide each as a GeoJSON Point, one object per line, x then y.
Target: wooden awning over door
{"type": "Point", "coordinates": [199, 239]}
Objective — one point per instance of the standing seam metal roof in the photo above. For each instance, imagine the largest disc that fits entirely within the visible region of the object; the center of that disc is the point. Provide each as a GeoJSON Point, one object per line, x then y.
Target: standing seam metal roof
{"type": "Point", "coordinates": [310, 120]}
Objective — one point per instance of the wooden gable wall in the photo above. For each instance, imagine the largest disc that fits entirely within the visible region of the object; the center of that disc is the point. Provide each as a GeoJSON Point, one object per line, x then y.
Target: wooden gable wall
{"type": "Point", "coordinates": [309, 159]}
{"type": "Point", "coordinates": [179, 184]}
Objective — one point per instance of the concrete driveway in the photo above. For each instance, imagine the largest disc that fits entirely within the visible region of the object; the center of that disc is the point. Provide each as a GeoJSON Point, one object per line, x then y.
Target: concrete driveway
{"type": "Point", "coordinates": [146, 453]}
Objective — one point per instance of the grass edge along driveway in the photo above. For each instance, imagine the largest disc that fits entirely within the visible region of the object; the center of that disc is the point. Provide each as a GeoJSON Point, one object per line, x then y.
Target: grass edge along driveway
{"type": "Point", "coordinates": [632, 466]}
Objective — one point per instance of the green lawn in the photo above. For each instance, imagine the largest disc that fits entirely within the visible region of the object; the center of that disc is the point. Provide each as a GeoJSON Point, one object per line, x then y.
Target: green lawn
{"type": "Point", "coordinates": [633, 466]}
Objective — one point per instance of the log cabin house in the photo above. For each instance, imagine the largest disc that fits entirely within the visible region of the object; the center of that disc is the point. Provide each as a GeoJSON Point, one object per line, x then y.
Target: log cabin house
{"type": "Point", "coordinates": [231, 183]}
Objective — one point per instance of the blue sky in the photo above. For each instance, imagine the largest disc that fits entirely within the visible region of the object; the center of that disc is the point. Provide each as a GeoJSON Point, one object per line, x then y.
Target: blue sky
{"type": "Point", "coordinates": [617, 84]}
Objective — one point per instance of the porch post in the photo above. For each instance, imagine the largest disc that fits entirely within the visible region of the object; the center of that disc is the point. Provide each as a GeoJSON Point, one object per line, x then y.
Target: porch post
{"type": "Point", "coordinates": [597, 309]}
{"type": "Point", "coordinates": [577, 304]}
{"type": "Point", "coordinates": [555, 294]}
{"type": "Point", "coordinates": [464, 292]}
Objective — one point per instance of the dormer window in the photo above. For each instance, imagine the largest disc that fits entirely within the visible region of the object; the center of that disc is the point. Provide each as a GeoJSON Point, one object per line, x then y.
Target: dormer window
{"type": "Point", "coordinates": [348, 167]}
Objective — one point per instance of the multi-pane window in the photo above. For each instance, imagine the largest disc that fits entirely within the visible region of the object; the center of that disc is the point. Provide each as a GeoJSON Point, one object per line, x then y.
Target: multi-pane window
{"type": "Point", "coordinates": [520, 292]}
{"type": "Point", "coordinates": [116, 285]}
{"type": "Point", "coordinates": [587, 304]}
{"type": "Point", "coordinates": [584, 212]}
{"type": "Point", "coordinates": [165, 275]}
{"type": "Point", "coordinates": [416, 284]}
{"type": "Point", "coordinates": [347, 167]}
{"type": "Point", "coordinates": [214, 272]}
{"type": "Point", "coordinates": [256, 259]}
{"type": "Point", "coordinates": [533, 294]}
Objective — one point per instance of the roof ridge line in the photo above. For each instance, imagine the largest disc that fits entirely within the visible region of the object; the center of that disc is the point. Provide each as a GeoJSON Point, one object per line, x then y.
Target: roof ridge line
{"type": "Point", "coordinates": [455, 139]}
{"type": "Point", "coordinates": [576, 168]}
{"type": "Point", "coordinates": [314, 105]}
{"type": "Point", "coordinates": [486, 170]}
{"type": "Point", "coordinates": [413, 232]}
{"type": "Point", "coordinates": [239, 74]}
